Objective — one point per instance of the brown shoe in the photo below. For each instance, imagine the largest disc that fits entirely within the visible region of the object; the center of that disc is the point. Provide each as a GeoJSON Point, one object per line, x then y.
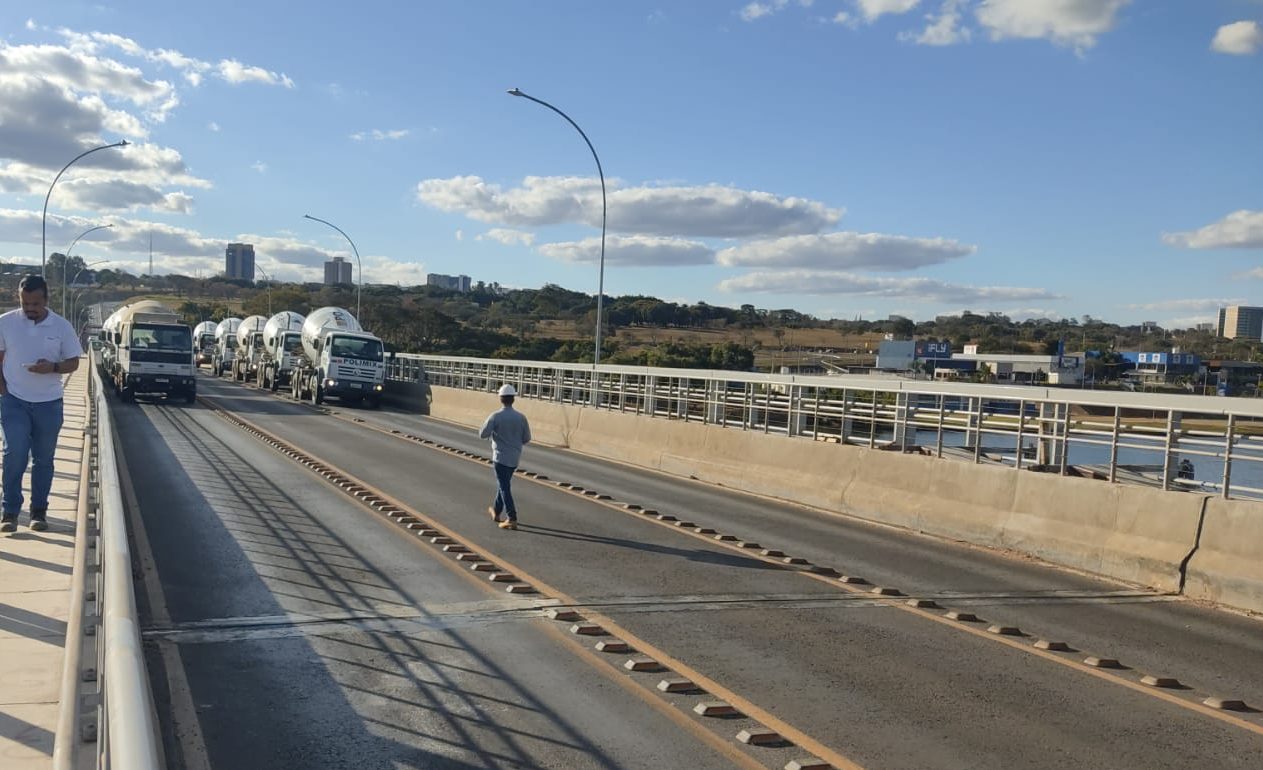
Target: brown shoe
{"type": "Point", "coordinates": [494, 516]}
{"type": "Point", "coordinates": [508, 524]}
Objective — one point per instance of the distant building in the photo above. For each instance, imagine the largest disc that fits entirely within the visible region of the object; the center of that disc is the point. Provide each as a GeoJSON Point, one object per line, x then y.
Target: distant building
{"type": "Point", "coordinates": [460, 283]}
{"type": "Point", "coordinates": [1009, 367]}
{"type": "Point", "coordinates": [338, 270]}
{"type": "Point", "coordinates": [1241, 322]}
{"type": "Point", "coordinates": [239, 261]}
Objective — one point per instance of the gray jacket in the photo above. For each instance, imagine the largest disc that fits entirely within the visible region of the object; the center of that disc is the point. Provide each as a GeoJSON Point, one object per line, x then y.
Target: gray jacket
{"type": "Point", "coordinates": [509, 432]}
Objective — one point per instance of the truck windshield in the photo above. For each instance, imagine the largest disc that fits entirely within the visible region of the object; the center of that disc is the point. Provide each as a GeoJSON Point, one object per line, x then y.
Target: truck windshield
{"type": "Point", "coordinates": [356, 347]}
{"type": "Point", "coordinates": [232, 343]}
{"type": "Point", "coordinates": [293, 344]}
{"type": "Point", "coordinates": [161, 337]}
{"type": "Point", "coordinates": [207, 341]}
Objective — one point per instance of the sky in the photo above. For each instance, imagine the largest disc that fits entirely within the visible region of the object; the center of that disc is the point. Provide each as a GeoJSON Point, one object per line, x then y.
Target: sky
{"type": "Point", "coordinates": [843, 158]}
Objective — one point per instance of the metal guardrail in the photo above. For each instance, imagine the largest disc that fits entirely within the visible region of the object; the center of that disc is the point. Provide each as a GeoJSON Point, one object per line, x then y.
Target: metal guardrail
{"type": "Point", "coordinates": [1205, 444]}
{"type": "Point", "coordinates": [128, 732]}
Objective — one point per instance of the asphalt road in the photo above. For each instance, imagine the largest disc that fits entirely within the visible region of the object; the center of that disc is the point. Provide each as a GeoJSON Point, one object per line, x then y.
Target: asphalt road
{"type": "Point", "coordinates": [276, 587]}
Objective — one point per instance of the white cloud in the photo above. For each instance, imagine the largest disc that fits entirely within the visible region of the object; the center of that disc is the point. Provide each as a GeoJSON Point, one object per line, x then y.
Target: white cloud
{"type": "Point", "coordinates": [229, 70]}
{"type": "Point", "coordinates": [235, 72]}
{"type": "Point", "coordinates": [31, 25]}
{"type": "Point", "coordinates": [701, 211]}
{"type": "Point", "coordinates": [632, 251]}
{"type": "Point", "coordinates": [1241, 38]}
{"type": "Point", "coordinates": [832, 282]}
{"type": "Point", "coordinates": [844, 18]}
{"type": "Point", "coordinates": [845, 250]}
{"type": "Point", "coordinates": [1255, 273]}
{"type": "Point", "coordinates": [874, 9]}
{"type": "Point", "coordinates": [757, 10]}
{"type": "Point", "coordinates": [508, 237]}
{"type": "Point", "coordinates": [1190, 305]}
{"type": "Point", "coordinates": [1075, 23]}
{"type": "Point", "coordinates": [259, 166]}
{"type": "Point", "coordinates": [943, 29]}
{"type": "Point", "coordinates": [213, 126]}
{"type": "Point", "coordinates": [378, 135]}
{"type": "Point", "coordinates": [186, 251]}
{"type": "Point", "coordinates": [460, 235]}
{"type": "Point", "coordinates": [1240, 229]}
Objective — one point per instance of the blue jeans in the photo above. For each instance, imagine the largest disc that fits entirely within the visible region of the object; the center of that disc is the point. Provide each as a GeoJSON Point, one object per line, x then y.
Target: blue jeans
{"type": "Point", "coordinates": [30, 433]}
{"type": "Point", "coordinates": [504, 497]}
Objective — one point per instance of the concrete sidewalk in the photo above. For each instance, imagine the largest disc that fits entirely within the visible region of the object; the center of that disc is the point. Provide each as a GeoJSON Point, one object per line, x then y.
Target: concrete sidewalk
{"type": "Point", "coordinates": [35, 579]}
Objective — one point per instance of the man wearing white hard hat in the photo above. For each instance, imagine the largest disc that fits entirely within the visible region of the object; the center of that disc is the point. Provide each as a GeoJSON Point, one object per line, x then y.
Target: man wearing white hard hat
{"type": "Point", "coordinates": [509, 431]}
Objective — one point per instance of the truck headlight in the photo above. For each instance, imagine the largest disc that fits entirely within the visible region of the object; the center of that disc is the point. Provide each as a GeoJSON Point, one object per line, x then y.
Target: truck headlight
{"type": "Point", "coordinates": [330, 383]}
{"type": "Point", "coordinates": [377, 387]}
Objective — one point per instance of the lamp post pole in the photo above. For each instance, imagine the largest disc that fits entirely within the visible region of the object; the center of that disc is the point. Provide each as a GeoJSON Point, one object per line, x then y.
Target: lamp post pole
{"type": "Point", "coordinates": [600, 286]}
{"type": "Point", "coordinates": [76, 278]}
{"type": "Point", "coordinates": [66, 262]}
{"type": "Point", "coordinates": [359, 265]}
{"type": "Point", "coordinates": [43, 225]}
{"type": "Point", "coordinates": [268, 278]}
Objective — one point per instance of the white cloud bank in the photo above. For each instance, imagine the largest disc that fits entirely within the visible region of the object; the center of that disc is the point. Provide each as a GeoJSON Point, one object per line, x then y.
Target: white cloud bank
{"type": "Point", "coordinates": [845, 251]}
{"type": "Point", "coordinates": [632, 251]}
{"type": "Point", "coordinates": [1239, 230]}
{"type": "Point", "coordinates": [822, 282]}
{"type": "Point", "coordinates": [378, 135]}
{"type": "Point", "coordinates": [703, 211]}
{"type": "Point", "coordinates": [507, 237]}
{"type": "Point", "coordinates": [945, 28]}
{"type": "Point", "coordinates": [1240, 38]}
{"type": "Point", "coordinates": [1073, 23]}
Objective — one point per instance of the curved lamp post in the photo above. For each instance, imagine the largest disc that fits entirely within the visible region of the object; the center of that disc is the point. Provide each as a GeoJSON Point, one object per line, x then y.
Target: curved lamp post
{"type": "Point", "coordinates": [600, 286]}
{"type": "Point", "coordinates": [43, 225]}
{"type": "Point", "coordinates": [67, 261]}
{"type": "Point", "coordinates": [76, 278]}
{"type": "Point", "coordinates": [359, 265]}
{"type": "Point", "coordinates": [267, 278]}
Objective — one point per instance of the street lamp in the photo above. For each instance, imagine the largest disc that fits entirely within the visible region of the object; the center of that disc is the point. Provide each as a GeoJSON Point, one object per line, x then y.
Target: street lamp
{"type": "Point", "coordinates": [600, 290]}
{"type": "Point", "coordinates": [74, 280]}
{"type": "Point", "coordinates": [267, 278]}
{"type": "Point", "coordinates": [360, 283]}
{"type": "Point", "coordinates": [43, 224]}
{"type": "Point", "coordinates": [66, 262]}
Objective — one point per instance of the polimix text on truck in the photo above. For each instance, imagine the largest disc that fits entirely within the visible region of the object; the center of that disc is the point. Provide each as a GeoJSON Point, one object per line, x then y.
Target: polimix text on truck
{"type": "Point", "coordinates": [339, 359]}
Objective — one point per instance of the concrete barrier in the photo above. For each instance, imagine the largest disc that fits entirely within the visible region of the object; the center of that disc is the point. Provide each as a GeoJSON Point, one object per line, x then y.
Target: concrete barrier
{"type": "Point", "coordinates": [1228, 564]}
{"type": "Point", "coordinates": [1134, 534]}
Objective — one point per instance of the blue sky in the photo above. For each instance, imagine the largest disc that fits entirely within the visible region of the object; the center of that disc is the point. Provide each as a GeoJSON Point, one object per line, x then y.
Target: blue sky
{"type": "Point", "coordinates": [841, 157]}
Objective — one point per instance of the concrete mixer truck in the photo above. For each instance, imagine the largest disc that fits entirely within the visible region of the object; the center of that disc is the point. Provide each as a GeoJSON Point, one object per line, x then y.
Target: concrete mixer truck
{"type": "Point", "coordinates": [109, 351]}
{"type": "Point", "coordinates": [204, 342]}
{"type": "Point", "coordinates": [225, 345]}
{"type": "Point", "coordinates": [282, 346]}
{"type": "Point", "coordinates": [339, 359]}
{"type": "Point", "coordinates": [245, 365]}
{"type": "Point", "coordinates": [153, 353]}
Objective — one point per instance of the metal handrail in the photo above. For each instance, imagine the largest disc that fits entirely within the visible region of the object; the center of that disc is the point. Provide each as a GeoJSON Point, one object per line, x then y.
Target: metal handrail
{"type": "Point", "coordinates": [1146, 436]}
{"type": "Point", "coordinates": [65, 739]}
{"type": "Point", "coordinates": [129, 733]}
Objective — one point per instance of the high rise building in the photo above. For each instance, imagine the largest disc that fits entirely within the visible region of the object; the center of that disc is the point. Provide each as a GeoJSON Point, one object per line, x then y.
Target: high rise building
{"type": "Point", "coordinates": [460, 283]}
{"type": "Point", "coordinates": [239, 261]}
{"type": "Point", "coordinates": [1241, 322]}
{"type": "Point", "coordinates": [338, 270]}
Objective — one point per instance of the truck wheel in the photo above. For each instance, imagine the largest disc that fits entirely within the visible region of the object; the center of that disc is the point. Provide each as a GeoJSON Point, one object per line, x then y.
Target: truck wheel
{"type": "Point", "coordinates": [317, 395]}
{"type": "Point", "coordinates": [374, 402]}
{"type": "Point", "coordinates": [273, 385]}
{"type": "Point", "coordinates": [127, 394]}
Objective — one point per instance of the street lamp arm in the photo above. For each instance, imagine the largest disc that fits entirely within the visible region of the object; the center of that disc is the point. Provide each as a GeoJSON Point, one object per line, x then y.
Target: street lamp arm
{"type": "Point", "coordinates": [359, 284]}
{"type": "Point", "coordinates": [67, 262]}
{"type": "Point", "coordinates": [43, 244]}
{"type": "Point", "coordinates": [600, 288]}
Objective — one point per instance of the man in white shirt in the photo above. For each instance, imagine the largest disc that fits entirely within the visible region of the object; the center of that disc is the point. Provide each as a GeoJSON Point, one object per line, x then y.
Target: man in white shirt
{"type": "Point", "coordinates": [37, 347]}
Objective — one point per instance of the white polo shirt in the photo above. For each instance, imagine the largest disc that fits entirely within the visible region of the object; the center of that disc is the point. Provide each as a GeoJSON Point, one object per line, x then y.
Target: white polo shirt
{"type": "Point", "coordinates": [24, 342]}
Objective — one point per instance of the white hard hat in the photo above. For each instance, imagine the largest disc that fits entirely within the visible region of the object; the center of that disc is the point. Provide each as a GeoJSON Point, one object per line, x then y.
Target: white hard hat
{"type": "Point", "coordinates": [507, 390]}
